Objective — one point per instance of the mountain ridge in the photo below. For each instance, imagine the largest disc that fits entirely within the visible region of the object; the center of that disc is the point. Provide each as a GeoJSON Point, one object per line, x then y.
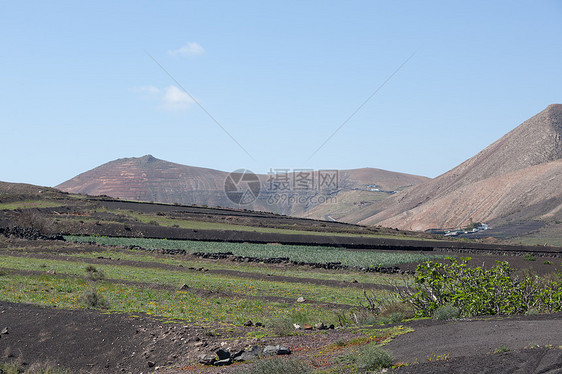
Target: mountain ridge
{"type": "Point", "coordinates": [517, 156]}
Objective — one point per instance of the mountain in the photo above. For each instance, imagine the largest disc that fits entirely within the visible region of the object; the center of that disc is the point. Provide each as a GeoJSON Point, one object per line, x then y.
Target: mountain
{"type": "Point", "coordinates": [518, 178]}
{"type": "Point", "coordinates": [150, 179]}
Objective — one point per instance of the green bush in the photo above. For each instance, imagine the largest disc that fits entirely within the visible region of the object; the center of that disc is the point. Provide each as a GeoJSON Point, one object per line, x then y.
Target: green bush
{"type": "Point", "coordinates": [92, 299]}
{"type": "Point", "coordinates": [94, 274]}
{"type": "Point", "coordinates": [277, 366]}
{"type": "Point", "coordinates": [396, 317]}
{"type": "Point", "coordinates": [529, 257]}
{"type": "Point", "coordinates": [368, 358]}
{"type": "Point", "coordinates": [479, 291]}
{"type": "Point", "coordinates": [282, 326]}
{"type": "Point", "coordinates": [446, 312]}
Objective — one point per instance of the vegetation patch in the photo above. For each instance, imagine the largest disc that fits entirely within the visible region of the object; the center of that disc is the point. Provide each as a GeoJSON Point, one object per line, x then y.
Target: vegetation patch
{"type": "Point", "coordinates": [298, 253]}
{"type": "Point", "coordinates": [368, 358]}
{"type": "Point", "coordinates": [438, 287]}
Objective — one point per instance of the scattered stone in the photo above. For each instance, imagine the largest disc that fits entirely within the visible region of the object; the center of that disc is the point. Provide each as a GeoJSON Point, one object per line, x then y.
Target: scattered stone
{"type": "Point", "coordinates": [249, 354]}
{"type": "Point", "coordinates": [301, 300]}
{"type": "Point", "coordinates": [237, 354]}
{"type": "Point", "coordinates": [331, 327]}
{"type": "Point", "coordinates": [282, 350]}
{"type": "Point", "coordinates": [320, 326]}
{"type": "Point", "coordinates": [271, 350]}
{"type": "Point", "coordinates": [226, 361]}
{"type": "Point", "coordinates": [296, 326]}
{"type": "Point", "coordinates": [150, 364]}
{"type": "Point", "coordinates": [206, 359]}
{"type": "Point", "coordinates": [4, 331]}
{"type": "Point", "coordinates": [223, 354]}
{"type": "Point", "coordinates": [259, 324]}
{"type": "Point", "coordinates": [306, 326]}
{"type": "Point", "coordinates": [184, 287]}
{"type": "Point", "coordinates": [248, 323]}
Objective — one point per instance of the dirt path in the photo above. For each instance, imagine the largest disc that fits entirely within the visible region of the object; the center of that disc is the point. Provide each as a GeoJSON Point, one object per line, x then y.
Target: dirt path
{"type": "Point", "coordinates": [467, 345]}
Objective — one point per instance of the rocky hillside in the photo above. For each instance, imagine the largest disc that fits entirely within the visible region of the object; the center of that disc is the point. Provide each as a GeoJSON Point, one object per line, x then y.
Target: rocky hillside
{"type": "Point", "coordinates": [150, 179]}
{"type": "Point", "coordinates": [519, 176]}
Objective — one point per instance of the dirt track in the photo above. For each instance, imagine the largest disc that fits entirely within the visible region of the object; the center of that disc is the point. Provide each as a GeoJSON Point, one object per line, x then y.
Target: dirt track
{"type": "Point", "coordinates": [93, 342]}
{"type": "Point", "coordinates": [471, 344]}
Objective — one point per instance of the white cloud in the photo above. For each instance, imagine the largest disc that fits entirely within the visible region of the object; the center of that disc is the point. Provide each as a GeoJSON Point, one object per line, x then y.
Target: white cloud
{"type": "Point", "coordinates": [147, 89]}
{"type": "Point", "coordinates": [171, 98]}
{"type": "Point", "coordinates": [191, 49]}
{"type": "Point", "coordinates": [175, 99]}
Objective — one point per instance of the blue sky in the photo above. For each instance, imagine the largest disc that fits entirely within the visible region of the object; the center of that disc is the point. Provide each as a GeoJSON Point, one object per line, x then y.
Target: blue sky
{"type": "Point", "coordinates": [78, 87]}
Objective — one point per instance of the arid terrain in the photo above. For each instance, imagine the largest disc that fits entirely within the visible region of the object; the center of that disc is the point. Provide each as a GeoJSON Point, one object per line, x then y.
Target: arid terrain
{"type": "Point", "coordinates": [515, 180]}
{"type": "Point", "coordinates": [138, 287]}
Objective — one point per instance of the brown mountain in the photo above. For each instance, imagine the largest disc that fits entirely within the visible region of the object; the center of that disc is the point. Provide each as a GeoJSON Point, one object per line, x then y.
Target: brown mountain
{"type": "Point", "coordinates": [150, 179]}
{"type": "Point", "coordinates": [519, 177]}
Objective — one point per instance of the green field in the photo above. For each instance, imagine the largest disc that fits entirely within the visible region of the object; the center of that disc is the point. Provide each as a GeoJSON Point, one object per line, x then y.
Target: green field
{"type": "Point", "coordinates": [299, 253]}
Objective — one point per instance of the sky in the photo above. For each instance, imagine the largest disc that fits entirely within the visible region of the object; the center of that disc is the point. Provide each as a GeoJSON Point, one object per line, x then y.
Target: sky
{"type": "Point", "coordinates": [408, 86]}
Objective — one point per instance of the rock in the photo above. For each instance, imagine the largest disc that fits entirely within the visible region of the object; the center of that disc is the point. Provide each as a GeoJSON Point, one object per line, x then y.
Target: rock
{"type": "Point", "coordinates": [237, 353]}
{"type": "Point", "coordinates": [4, 331]}
{"type": "Point", "coordinates": [282, 350]}
{"type": "Point", "coordinates": [301, 300]}
{"type": "Point", "coordinates": [306, 326]}
{"type": "Point", "coordinates": [184, 287]}
{"type": "Point", "coordinates": [259, 324]}
{"type": "Point", "coordinates": [320, 326]}
{"type": "Point", "coordinates": [223, 354]}
{"type": "Point", "coordinates": [226, 361]}
{"type": "Point", "coordinates": [150, 364]}
{"type": "Point", "coordinates": [271, 350]}
{"type": "Point", "coordinates": [248, 323]}
{"type": "Point", "coordinates": [296, 326]}
{"type": "Point", "coordinates": [331, 327]}
{"type": "Point", "coordinates": [206, 359]}
{"type": "Point", "coordinates": [249, 354]}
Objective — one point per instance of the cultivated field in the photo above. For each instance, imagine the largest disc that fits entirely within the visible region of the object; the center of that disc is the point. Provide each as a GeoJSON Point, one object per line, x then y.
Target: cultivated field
{"type": "Point", "coordinates": [104, 298]}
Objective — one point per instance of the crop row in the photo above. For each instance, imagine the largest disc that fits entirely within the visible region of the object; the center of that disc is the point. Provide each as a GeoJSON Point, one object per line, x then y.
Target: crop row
{"type": "Point", "coordinates": [299, 253]}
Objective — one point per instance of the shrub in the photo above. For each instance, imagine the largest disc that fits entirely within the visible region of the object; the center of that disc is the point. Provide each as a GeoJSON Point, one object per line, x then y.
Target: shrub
{"type": "Point", "coordinates": [446, 312]}
{"type": "Point", "coordinates": [277, 366]}
{"type": "Point", "coordinates": [45, 368]}
{"type": "Point", "coordinates": [502, 349]}
{"type": "Point", "coordinates": [405, 309]}
{"type": "Point", "coordinates": [479, 291]}
{"type": "Point", "coordinates": [396, 317]}
{"type": "Point", "coordinates": [36, 368]}
{"type": "Point", "coordinates": [529, 257]}
{"type": "Point", "coordinates": [368, 358]}
{"type": "Point", "coordinates": [94, 274]}
{"type": "Point", "coordinates": [94, 300]}
{"type": "Point", "coordinates": [282, 326]}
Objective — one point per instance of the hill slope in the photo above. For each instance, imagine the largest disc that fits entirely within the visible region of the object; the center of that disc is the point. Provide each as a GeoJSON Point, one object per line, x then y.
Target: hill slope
{"type": "Point", "coordinates": [150, 179]}
{"type": "Point", "coordinates": [520, 170]}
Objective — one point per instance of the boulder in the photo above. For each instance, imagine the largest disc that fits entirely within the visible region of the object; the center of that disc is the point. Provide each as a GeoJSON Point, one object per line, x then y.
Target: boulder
{"type": "Point", "coordinates": [271, 350]}
{"type": "Point", "coordinates": [206, 359]}
{"type": "Point", "coordinates": [223, 354]}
